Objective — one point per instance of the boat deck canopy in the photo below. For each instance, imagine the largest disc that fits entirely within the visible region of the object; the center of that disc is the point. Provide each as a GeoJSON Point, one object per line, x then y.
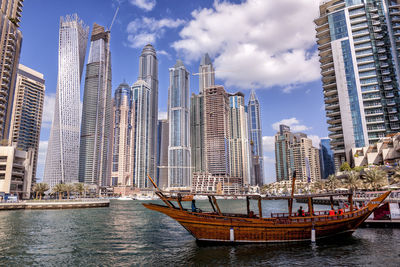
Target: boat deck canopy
{"type": "Point", "coordinates": [256, 197]}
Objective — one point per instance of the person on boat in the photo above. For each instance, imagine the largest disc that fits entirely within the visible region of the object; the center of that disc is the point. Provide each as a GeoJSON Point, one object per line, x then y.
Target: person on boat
{"type": "Point", "coordinates": [194, 208]}
{"type": "Point", "coordinates": [340, 212]}
{"type": "Point", "coordinates": [300, 212]}
{"type": "Point", "coordinates": [332, 212]}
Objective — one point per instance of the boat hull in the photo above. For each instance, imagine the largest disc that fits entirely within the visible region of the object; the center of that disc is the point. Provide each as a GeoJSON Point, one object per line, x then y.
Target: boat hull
{"type": "Point", "coordinates": [242, 229]}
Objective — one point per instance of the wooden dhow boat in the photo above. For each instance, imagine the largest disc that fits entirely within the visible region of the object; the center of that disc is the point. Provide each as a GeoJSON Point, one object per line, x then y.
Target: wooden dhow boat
{"type": "Point", "coordinates": [279, 227]}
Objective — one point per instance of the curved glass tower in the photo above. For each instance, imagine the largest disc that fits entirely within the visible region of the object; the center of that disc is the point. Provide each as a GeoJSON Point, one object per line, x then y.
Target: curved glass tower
{"type": "Point", "coordinates": [96, 113]}
{"type": "Point", "coordinates": [63, 147]}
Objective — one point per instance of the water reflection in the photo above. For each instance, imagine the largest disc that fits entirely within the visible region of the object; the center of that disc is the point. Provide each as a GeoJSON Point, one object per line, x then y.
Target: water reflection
{"type": "Point", "coordinates": [128, 234]}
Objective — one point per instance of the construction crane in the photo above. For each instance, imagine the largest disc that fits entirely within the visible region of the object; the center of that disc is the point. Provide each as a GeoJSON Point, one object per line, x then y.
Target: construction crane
{"type": "Point", "coordinates": [115, 16]}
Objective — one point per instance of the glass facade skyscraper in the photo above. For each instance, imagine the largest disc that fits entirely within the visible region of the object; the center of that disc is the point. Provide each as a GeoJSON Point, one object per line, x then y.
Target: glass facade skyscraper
{"type": "Point", "coordinates": [148, 71]}
{"type": "Point", "coordinates": [255, 134]}
{"type": "Point", "coordinates": [326, 158]}
{"type": "Point", "coordinates": [206, 73]}
{"type": "Point", "coordinates": [358, 43]}
{"type": "Point", "coordinates": [96, 113]}
{"type": "Point", "coordinates": [63, 147]}
{"type": "Point", "coordinates": [179, 162]}
{"type": "Point", "coordinates": [142, 127]}
{"type": "Point", "coordinates": [239, 147]}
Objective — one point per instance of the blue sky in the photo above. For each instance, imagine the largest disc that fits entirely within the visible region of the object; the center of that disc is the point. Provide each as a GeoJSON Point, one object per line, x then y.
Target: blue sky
{"type": "Point", "coordinates": [266, 45]}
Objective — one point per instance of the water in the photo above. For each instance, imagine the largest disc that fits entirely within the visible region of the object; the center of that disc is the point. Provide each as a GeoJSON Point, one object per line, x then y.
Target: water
{"type": "Point", "coordinates": [127, 234]}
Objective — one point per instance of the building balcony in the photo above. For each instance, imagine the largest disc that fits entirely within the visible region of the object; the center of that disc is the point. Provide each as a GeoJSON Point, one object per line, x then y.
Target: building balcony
{"type": "Point", "coordinates": [332, 106]}
{"type": "Point", "coordinates": [330, 92]}
{"type": "Point", "coordinates": [380, 43]}
{"type": "Point", "coordinates": [393, 118]}
{"type": "Point", "coordinates": [377, 29]}
{"type": "Point", "coordinates": [385, 72]}
{"type": "Point", "coordinates": [392, 110]}
{"type": "Point", "coordinates": [374, 105]}
{"type": "Point", "coordinates": [388, 87]}
{"type": "Point", "coordinates": [335, 128]}
{"type": "Point", "coordinates": [332, 114]}
{"type": "Point", "coordinates": [375, 16]}
{"type": "Point", "coordinates": [381, 50]}
{"type": "Point", "coordinates": [387, 80]}
{"type": "Point", "coordinates": [382, 57]}
{"type": "Point", "coordinates": [376, 23]}
{"type": "Point", "coordinates": [394, 126]}
{"type": "Point", "coordinates": [395, 18]}
{"type": "Point", "coordinates": [389, 94]}
{"type": "Point", "coordinates": [334, 136]}
{"type": "Point", "coordinates": [333, 99]}
{"type": "Point", "coordinates": [334, 121]}
{"type": "Point", "coordinates": [375, 121]}
{"type": "Point", "coordinates": [376, 129]}
{"type": "Point", "coordinates": [329, 85]}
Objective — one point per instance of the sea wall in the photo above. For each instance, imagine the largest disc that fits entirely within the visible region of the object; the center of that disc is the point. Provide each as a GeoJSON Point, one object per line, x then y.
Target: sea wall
{"type": "Point", "coordinates": [56, 204]}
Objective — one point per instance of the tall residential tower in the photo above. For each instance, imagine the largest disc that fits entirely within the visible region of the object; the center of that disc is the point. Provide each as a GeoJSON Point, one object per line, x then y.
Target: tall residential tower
{"type": "Point", "coordinates": [206, 73]}
{"type": "Point", "coordinates": [96, 113]}
{"type": "Point", "coordinates": [27, 112]}
{"type": "Point", "coordinates": [255, 136]}
{"type": "Point", "coordinates": [179, 162]}
{"type": "Point", "coordinates": [11, 39]}
{"type": "Point", "coordinates": [122, 150]}
{"type": "Point", "coordinates": [63, 147]}
{"type": "Point", "coordinates": [358, 43]}
{"type": "Point", "coordinates": [148, 72]}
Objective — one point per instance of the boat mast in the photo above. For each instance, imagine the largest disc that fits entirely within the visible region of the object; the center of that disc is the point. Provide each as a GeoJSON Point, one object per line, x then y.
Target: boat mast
{"type": "Point", "coordinates": [292, 194]}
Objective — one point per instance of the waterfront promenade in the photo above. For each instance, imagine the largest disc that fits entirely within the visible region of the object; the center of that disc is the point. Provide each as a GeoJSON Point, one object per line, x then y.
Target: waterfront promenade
{"type": "Point", "coordinates": [56, 204]}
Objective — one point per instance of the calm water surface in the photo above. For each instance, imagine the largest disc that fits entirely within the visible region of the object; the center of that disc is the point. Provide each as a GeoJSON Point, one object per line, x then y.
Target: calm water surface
{"type": "Point", "coordinates": [127, 234]}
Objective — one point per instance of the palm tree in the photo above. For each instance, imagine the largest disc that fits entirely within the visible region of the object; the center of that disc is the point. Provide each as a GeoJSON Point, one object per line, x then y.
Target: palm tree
{"type": "Point", "coordinates": [60, 189]}
{"type": "Point", "coordinates": [332, 182]}
{"type": "Point", "coordinates": [319, 185]}
{"type": "Point", "coordinates": [80, 188]}
{"type": "Point", "coordinates": [352, 180]}
{"type": "Point", "coordinates": [40, 188]}
{"type": "Point", "coordinates": [375, 178]}
{"type": "Point", "coordinates": [69, 188]}
{"type": "Point", "coordinates": [395, 179]}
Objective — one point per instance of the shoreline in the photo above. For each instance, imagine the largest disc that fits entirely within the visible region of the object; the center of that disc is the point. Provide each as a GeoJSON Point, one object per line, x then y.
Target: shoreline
{"type": "Point", "coordinates": [55, 204]}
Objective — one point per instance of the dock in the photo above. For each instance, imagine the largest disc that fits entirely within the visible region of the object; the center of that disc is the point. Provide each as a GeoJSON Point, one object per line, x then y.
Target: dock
{"type": "Point", "coordinates": [55, 204]}
{"type": "Point", "coordinates": [370, 223]}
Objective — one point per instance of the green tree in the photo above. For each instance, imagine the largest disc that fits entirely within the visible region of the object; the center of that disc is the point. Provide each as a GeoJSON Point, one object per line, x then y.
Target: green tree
{"type": "Point", "coordinates": [69, 188]}
{"type": "Point", "coordinates": [352, 180]}
{"type": "Point", "coordinates": [60, 189]}
{"type": "Point", "coordinates": [345, 167]}
{"type": "Point", "coordinates": [80, 188]}
{"type": "Point", "coordinates": [332, 182]}
{"type": "Point", "coordinates": [40, 188]}
{"type": "Point", "coordinates": [375, 179]}
{"type": "Point", "coordinates": [319, 185]}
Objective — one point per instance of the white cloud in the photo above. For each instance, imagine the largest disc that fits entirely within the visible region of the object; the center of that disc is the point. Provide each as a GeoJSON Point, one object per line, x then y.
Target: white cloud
{"type": "Point", "coordinates": [268, 143]}
{"type": "Point", "coordinates": [293, 123]}
{"type": "Point", "coordinates": [48, 110]}
{"type": "Point", "coordinates": [255, 43]}
{"type": "Point", "coordinates": [144, 4]}
{"type": "Point", "coordinates": [148, 30]}
{"type": "Point", "coordinates": [162, 115]}
{"type": "Point", "coordinates": [164, 53]}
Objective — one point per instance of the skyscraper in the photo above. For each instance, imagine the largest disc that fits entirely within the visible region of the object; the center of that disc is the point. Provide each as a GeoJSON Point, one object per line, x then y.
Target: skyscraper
{"type": "Point", "coordinates": [162, 153]}
{"type": "Point", "coordinates": [294, 152]}
{"type": "Point", "coordinates": [142, 127]}
{"type": "Point", "coordinates": [197, 145]}
{"type": "Point", "coordinates": [63, 147]}
{"type": "Point", "coordinates": [96, 113]}
{"type": "Point", "coordinates": [255, 136]}
{"type": "Point", "coordinates": [122, 149]}
{"type": "Point", "coordinates": [206, 73]}
{"type": "Point", "coordinates": [358, 46]}
{"type": "Point", "coordinates": [326, 158]}
{"type": "Point", "coordinates": [179, 162]}
{"type": "Point", "coordinates": [148, 71]}
{"type": "Point", "coordinates": [239, 147]}
{"type": "Point", "coordinates": [27, 112]}
{"type": "Point", "coordinates": [11, 39]}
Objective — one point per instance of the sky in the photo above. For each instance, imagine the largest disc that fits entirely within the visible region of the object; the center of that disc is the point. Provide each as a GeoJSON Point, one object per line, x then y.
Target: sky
{"type": "Point", "coordinates": [265, 45]}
